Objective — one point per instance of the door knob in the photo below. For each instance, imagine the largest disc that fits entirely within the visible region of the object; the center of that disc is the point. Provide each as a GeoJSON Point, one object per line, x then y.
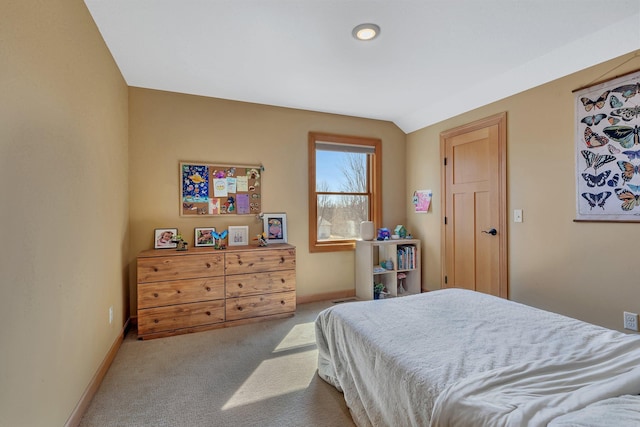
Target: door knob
{"type": "Point", "coordinates": [493, 231]}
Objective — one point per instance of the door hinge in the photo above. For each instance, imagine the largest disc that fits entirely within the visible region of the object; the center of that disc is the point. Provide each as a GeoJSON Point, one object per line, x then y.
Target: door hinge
{"type": "Point", "coordinates": [445, 220]}
{"type": "Point", "coordinates": [445, 280]}
{"type": "Point", "coordinates": [445, 161]}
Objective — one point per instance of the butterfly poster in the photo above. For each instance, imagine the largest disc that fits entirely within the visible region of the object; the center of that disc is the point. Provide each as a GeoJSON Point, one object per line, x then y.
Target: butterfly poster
{"type": "Point", "coordinates": [213, 189]}
{"type": "Point", "coordinates": [608, 150]}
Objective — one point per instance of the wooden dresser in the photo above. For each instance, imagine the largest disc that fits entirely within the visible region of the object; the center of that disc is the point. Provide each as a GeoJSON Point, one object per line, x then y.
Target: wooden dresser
{"type": "Point", "coordinates": [204, 288]}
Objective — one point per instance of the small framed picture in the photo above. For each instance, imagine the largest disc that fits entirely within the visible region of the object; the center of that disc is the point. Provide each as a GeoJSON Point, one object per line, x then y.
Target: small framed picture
{"type": "Point", "coordinates": [204, 236]}
{"type": "Point", "coordinates": [238, 235]}
{"type": "Point", "coordinates": [164, 238]}
{"type": "Point", "coordinates": [275, 227]}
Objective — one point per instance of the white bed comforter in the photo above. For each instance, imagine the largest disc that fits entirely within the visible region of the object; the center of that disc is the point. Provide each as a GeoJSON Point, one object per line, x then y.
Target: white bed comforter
{"type": "Point", "coordinates": [468, 359]}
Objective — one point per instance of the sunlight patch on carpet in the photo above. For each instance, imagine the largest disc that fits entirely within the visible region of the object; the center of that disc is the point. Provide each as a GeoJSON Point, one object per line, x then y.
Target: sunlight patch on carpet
{"type": "Point", "coordinates": [301, 335]}
{"type": "Point", "coordinates": [276, 377]}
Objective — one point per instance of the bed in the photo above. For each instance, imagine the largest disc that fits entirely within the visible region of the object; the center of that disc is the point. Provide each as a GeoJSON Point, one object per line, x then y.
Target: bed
{"type": "Point", "coordinates": [460, 358]}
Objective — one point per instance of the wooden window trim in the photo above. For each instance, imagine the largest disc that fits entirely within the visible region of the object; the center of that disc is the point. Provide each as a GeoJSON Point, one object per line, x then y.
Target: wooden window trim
{"type": "Point", "coordinates": [374, 179]}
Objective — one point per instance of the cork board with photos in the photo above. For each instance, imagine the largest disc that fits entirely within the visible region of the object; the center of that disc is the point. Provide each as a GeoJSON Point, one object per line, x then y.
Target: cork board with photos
{"type": "Point", "coordinates": [209, 189]}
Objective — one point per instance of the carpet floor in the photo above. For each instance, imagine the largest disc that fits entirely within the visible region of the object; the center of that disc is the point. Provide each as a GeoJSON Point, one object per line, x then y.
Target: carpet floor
{"type": "Point", "coordinates": [262, 374]}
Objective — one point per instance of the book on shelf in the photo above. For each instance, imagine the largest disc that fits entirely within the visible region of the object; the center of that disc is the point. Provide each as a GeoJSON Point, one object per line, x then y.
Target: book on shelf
{"type": "Point", "coordinates": [406, 257]}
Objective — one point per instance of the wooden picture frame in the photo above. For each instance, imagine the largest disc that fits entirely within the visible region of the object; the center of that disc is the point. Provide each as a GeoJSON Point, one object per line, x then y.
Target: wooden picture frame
{"type": "Point", "coordinates": [213, 189]}
{"type": "Point", "coordinates": [203, 236]}
{"type": "Point", "coordinates": [163, 238]}
{"type": "Point", "coordinates": [238, 235]}
{"type": "Point", "coordinates": [275, 227]}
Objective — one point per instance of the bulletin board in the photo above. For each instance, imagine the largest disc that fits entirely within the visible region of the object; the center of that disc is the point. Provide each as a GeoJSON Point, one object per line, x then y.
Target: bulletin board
{"type": "Point", "coordinates": [208, 189]}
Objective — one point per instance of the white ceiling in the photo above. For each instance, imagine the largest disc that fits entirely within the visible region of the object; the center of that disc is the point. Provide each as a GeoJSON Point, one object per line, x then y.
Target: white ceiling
{"type": "Point", "coordinates": [433, 59]}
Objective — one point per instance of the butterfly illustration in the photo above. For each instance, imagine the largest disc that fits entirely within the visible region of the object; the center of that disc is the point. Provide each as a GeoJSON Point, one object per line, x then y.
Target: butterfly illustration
{"type": "Point", "coordinates": [635, 188]}
{"type": "Point", "coordinates": [596, 199]}
{"type": "Point", "coordinates": [615, 102]}
{"type": "Point", "coordinates": [593, 120]}
{"type": "Point", "coordinates": [632, 154]}
{"type": "Point", "coordinates": [595, 160]}
{"type": "Point", "coordinates": [628, 91]}
{"type": "Point", "coordinates": [596, 180]}
{"type": "Point", "coordinates": [628, 170]}
{"type": "Point", "coordinates": [613, 181]}
{"type": "Point", "coordinates": [613, 150]}
{"type": "Point", "coordinates": [593, 140]}
{"type": "Point", "coordinates": [627, 136]}
{"type": "Point", "coordinates": [219, 236]}
{"type": "Point", "coordinates": [629, 200]}
{"type": "Point", "coordinates": [627, 114]}
{"type": "Point", "coordinates": [598, 103]}
{"type": "Point", "coordinates": [188, 206]}
{"type": "Point", "coordinates": [613, 120]}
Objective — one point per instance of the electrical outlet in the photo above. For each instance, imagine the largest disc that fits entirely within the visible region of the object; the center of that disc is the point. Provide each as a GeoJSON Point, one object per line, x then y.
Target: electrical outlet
{"type": "Point", "coordinates": [517, 215]}
{"type": "Point", "coordinates": [111, 315]}
{"type": "Point", "coordinates": [630, 321]}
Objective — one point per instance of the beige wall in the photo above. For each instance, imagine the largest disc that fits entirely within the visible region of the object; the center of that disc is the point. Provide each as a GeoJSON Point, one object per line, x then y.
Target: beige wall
{"type": "Point", "coordinates": [582, 270]}
{"type": "Point", "coordinates": [87, 163]}
{"type": "Point", "coordinates": [64, 212]}
{"type": "Point", "coordinates": [166, 128]}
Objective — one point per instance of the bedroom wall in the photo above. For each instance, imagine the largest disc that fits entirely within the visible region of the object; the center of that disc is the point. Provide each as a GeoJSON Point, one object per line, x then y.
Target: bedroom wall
{"type": "Point", "coordinates": [64, 211]}
{"type": "Point", "coordinates": [166, 128]}
{"type": "Point", "coordinates": [584, 270]}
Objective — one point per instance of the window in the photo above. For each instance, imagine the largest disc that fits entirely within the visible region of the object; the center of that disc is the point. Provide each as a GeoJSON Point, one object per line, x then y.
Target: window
{"type": "Point", "coordinates": [344, 189]}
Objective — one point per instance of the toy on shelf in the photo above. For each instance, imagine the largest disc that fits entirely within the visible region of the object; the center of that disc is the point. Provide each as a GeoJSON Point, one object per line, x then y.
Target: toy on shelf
{"type": "Point", "coordinates": [219, 239]}
{"type": "Point", "coordinates": [378, 290]}
{"type": "Point", "coordinates": [182, 245]}
{"type": "Point", "coordinates": [400, 231]}
{"type": "Point", "coordinates": [262, 239]}
{"type": "Point", "coordinates": [401, 278]}
{"type": "Point", "coordinates": [384, 234]}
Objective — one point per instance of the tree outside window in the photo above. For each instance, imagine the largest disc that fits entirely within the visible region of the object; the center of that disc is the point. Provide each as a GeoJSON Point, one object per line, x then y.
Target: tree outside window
{"type": "Point", "coordinates": [344, 189]}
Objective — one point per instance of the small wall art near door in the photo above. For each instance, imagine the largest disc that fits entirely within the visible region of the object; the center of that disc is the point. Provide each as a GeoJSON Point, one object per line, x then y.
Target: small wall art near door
{"type": "Point", "coordinates": [607, 138]}
{"type": "Point", "coordinates": [213, 189]}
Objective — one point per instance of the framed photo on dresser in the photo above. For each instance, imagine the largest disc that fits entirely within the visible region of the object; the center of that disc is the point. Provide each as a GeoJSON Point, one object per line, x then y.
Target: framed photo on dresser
{"type": "Point", "coordinates": [275, 227]}
{"type": "Point", "coordinates": [163, 238]}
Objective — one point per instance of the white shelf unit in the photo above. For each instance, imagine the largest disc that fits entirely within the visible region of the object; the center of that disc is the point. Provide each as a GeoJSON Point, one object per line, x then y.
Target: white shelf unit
{"type": "Point", "coordinates": [370, 254]}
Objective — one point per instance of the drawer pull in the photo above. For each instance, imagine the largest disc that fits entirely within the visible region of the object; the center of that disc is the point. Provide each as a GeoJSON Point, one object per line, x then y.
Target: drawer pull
{"type": "Point", "coordinates": [281, 260]}
{"type": "Point", "coordinates": [156, 321]}
{"type": "Point", "coordinates": [240, 285]}
{"type": "Point", "coordinates": [282, 302]}
{"type": "Point", "coordinates": [155, 295]}
{"type": "Point", "coordinates": [208, 265]}
{"type": "Point", "coordinates": [282, 280]}
{"type": "Point", "coordinates": [208, 289]}
{"type": "Point", "coordinates": [178, 291]}
{"type": "Point", "coordinates": [208, 313]}
{"type": "Point", "coordinates": [155, 269]}
{"type": "Point", "coordinates": [239, 308]}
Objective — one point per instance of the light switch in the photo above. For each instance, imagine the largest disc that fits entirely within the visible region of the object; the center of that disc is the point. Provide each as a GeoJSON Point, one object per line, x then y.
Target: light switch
{"type": "Point", "coordinates": [517, 215]}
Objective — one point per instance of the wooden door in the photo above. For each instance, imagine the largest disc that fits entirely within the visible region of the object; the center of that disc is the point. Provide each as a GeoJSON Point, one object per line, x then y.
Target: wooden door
{"type": "Point", "coordinates": [474, 206]}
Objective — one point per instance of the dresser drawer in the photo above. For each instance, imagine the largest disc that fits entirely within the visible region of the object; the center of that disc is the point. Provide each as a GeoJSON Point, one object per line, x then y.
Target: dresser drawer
{"type": "Point", "coordinates": [260, 283]}
{"type": "Point", "coordinates": [180, 292]}
{"type": "Point", "coordinates": [161, 268]}
{"type": "Point", "coordinates": [174, 317]}
{"type": "Point", "coordinates": [254, 261]}
{"type": "Point", "coordinates": [260, 305]}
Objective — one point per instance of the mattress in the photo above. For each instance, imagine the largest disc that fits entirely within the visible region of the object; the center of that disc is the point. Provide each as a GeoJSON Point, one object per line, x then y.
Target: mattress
{"type": "Point", "coordinates": [455, 357]}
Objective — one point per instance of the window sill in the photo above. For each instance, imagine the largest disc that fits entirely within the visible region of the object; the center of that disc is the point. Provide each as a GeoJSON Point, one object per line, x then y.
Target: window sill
{"type": "Point", "coordinates": [332, 246]}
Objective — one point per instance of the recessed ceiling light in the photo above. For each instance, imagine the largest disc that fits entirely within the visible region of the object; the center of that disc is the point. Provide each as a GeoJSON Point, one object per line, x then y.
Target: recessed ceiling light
{"type": "Point", "coordinates": [366, 31]}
